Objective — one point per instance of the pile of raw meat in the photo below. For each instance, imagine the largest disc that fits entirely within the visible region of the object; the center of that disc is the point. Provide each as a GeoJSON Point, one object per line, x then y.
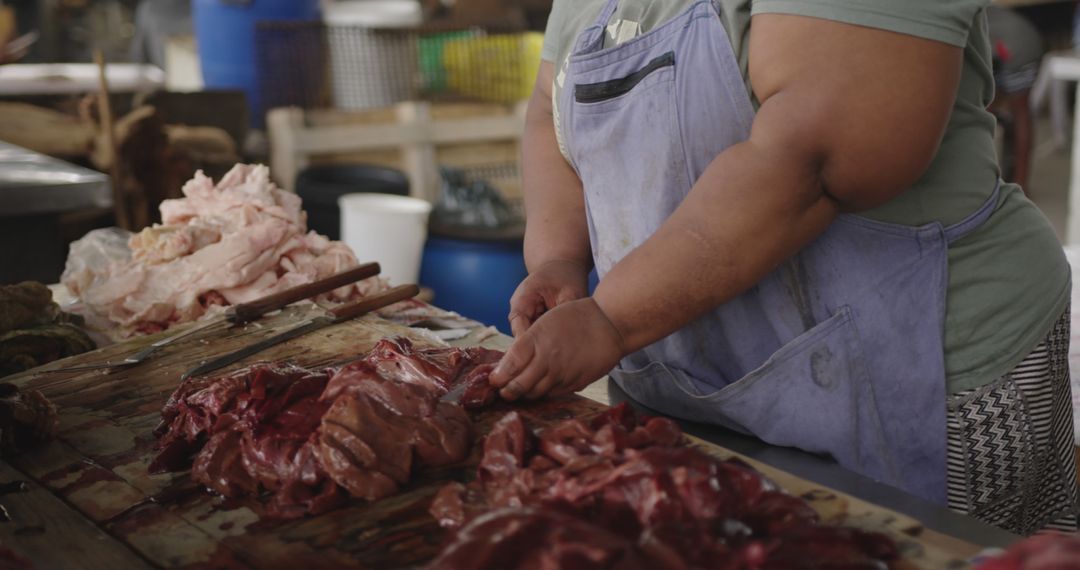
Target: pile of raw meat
{"type": "Point", "coordinates": [1050, 551]}
{"type": "Point", "coordinates": [620, 493]}
{"type": "Point", "coordinates": [222, 244]}
{"type": "Point", "coordinates": [303, 440]}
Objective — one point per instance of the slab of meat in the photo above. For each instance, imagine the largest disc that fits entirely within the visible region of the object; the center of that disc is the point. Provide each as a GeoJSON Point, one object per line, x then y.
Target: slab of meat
{"type": "Point", "coordinates": [228, 243]}
{"type": "Point", "coordinates": [643, 500]}
{"type": "Point", "coordinates": [1049, 551]}
{"type": "Point", "coordinates": [435, 370]}
{"type": "Point", "coordinates": [304, 439]}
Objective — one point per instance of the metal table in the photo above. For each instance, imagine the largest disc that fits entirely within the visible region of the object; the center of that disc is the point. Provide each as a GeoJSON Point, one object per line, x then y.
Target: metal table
{"type": "Point", "coordinates": [33, 183]}
{"type": "Point", "coordinates": [827, 472]}
{"type": "Point", "coordinates": [35, 190]}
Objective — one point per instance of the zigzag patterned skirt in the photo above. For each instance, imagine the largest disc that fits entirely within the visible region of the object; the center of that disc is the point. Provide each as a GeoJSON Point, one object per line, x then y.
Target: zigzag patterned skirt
{"type": "Point", "coordinates": [1011, 453]}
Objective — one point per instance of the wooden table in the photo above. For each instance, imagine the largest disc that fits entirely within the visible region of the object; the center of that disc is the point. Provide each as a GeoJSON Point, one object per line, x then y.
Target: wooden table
{"type": "Point", "coordinates": [90, 503]}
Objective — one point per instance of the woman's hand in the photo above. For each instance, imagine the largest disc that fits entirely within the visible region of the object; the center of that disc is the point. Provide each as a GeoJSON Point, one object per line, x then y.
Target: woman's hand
{"type": "Point", "coordinates": [552, 284]}
{"type": "Point", "coordinates": [566, 349]}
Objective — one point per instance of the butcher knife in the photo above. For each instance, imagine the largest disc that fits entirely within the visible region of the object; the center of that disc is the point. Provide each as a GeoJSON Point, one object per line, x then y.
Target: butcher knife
{"type": "Point", "coordinates": [455, 393]}
{"type": "Point", "coordinates": [332, 316]}
{"type": "Point", "coordinates": [247, 312]}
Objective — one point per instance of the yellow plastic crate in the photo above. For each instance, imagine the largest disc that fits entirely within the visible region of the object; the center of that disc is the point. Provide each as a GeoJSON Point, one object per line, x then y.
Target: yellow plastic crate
{"type": "Point", "coordinates": [497, 68]}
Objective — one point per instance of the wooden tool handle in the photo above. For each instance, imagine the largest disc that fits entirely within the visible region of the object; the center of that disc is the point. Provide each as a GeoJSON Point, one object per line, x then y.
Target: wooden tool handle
{"type": "Point", "coordinates": [246, 312]}
{"type": "Point", "coordinates": [364, 306]}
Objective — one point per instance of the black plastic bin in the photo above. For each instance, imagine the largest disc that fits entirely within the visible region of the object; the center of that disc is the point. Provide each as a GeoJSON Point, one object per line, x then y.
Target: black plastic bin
{"type": "Point", "coordinates": [320, 186]}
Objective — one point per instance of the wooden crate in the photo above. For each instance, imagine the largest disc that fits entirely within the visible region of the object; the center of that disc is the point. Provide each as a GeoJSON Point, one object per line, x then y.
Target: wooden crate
{"type": "Point", "coordinates": [415, 137]}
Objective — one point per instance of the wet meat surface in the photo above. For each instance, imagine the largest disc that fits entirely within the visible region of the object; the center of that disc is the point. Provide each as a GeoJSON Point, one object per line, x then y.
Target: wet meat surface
{"type": "Point", "coordinates": [304, 440]}
{"type": "Point", "coordinates": [1049, 551]}
{"type": "Point", "coordinates": [624, 492]}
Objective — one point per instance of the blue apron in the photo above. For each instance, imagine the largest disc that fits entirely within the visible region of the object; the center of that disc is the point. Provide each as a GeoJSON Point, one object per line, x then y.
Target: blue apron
{"type": "Point", "coordinates": [839, 350]}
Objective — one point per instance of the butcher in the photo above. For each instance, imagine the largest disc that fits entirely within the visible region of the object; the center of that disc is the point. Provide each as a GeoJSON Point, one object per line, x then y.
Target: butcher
{"type": "Point", "coordinates": [797, 218]}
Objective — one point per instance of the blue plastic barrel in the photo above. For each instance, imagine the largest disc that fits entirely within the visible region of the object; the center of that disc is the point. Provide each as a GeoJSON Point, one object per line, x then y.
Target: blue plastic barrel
{"type": "Point", "coordinates": [474, 278]}
{"type": "Point", "coordinates": [225, 32]}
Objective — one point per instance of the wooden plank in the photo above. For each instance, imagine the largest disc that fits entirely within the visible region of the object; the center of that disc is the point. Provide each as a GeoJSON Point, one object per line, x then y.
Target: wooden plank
{"type": "Point", "coordinates": [98, 466]}
{"type": "Point", "coordinates": [416, 130]}
{"type": "Point", "coordinates": [45, 130]}
{"type": "Point", "coordinates": [39, 526]}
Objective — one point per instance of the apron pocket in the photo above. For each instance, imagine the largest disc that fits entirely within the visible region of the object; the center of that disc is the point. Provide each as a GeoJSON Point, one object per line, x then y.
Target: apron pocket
{"type": "Point", "coordinates": [813, 393]}
{"type": "Point", "coordinates": [612, 88]}
{"type": "Point", "coordinates": [616, 99]}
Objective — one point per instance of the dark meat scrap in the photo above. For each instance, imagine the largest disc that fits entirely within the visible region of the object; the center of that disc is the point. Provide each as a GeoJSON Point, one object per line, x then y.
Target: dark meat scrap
{"type": "Point", "coordinates": [307, 439]}
{"type": "Point", "coordinates": [27, 418]}
{"type": "Point", "coordinates": [1048, 551]}
{"type": "Point", "coordinates": [677, 506]}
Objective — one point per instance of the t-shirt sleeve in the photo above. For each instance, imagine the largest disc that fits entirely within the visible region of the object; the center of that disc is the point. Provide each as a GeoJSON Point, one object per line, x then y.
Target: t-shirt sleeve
{"type": "Point", "coordinates": [553, 33]}
{"type": "Point", "coordinates": [947, 21]}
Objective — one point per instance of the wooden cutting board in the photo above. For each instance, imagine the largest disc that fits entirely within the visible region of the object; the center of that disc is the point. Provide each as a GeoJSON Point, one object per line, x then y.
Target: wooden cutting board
{"type": "Point", "coordinates": [88, 500]}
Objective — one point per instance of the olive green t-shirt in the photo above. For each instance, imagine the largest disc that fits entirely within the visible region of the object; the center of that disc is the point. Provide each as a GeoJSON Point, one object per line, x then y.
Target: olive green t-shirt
{"type": "Point", "coordinates": [1008, 280]}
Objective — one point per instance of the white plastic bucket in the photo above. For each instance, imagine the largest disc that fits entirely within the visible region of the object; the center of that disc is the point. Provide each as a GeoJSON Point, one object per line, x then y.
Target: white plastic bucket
{"type": "Point", "coordinates": [386, 228]}
{"type": "Point", "coordinates": [360, 55]}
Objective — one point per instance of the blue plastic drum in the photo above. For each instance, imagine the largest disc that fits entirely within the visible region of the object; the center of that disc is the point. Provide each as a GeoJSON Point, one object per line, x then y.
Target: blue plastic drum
{"type": "Point", "coordinates": [225, 32]}
{"type": "Point", "coordinates": [474, 278]}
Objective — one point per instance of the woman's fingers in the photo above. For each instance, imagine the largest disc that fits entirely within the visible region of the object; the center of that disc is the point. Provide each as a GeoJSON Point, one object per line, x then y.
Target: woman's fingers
{"type": "Point", "coordinates": [524, 381]}
{"type": "Point", "coordinates": [513, 362]}
{"type": "Point", "coordinates": [542, 388]}
{"type": "Point", "coordinates": [518, 323]}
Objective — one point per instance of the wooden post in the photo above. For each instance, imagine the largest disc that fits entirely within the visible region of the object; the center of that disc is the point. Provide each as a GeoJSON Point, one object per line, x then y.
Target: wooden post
{"type": "Point", "coordinates": [419, 153]}
{"type": "Point", "coordinates": [287, 159]}
{"type": "Point", "coordinates": [120, 204]}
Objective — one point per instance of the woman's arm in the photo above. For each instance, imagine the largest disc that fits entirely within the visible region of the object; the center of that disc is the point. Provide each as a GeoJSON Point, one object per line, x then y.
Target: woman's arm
{"type": "Point", "coordinates": [850, 117]}
{"type": "Point", "coordinates": [554, 201]}
{"type": "Point", "coordinates": [557, 250]}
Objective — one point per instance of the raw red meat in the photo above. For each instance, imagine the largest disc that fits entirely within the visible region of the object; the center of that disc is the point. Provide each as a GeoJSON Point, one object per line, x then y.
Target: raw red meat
{"type": "Point", "coordinates": [539, 538]}
{"type": "Point", "coordinates": [308, 438]}
{"type": "Point", "coordinates": [1049, 551]}
{"type": "Point", "coordinates": [376, 427]}
{"type": "Point", "coordinates": [434, 369]}
{"type": "Point", "coordinates": [617, 492]}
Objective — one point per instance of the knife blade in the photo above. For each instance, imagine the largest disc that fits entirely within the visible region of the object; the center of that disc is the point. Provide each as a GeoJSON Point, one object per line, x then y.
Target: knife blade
{"type": "Point", "coordinates": [332, 316]}
{"type": "Point", "coordinates": [455, 393]}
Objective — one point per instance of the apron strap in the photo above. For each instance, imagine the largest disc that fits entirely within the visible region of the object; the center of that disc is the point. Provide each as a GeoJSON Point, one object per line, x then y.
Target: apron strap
{"type": "Point", "coordinates": [592, 38]}
{"type": "Point", "coordinates": [978, 218]}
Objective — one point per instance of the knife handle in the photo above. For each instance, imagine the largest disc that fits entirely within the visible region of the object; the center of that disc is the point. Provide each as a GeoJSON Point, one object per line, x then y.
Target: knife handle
{"type": "Point", "coordinates": [246, 312]}
{"type": "Point", "coordinates": [368, 304]}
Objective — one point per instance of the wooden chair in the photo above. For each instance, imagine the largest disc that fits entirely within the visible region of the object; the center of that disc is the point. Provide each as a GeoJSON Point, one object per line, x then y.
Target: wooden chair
{"type": "Point", "coordinates": [416, 137]}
